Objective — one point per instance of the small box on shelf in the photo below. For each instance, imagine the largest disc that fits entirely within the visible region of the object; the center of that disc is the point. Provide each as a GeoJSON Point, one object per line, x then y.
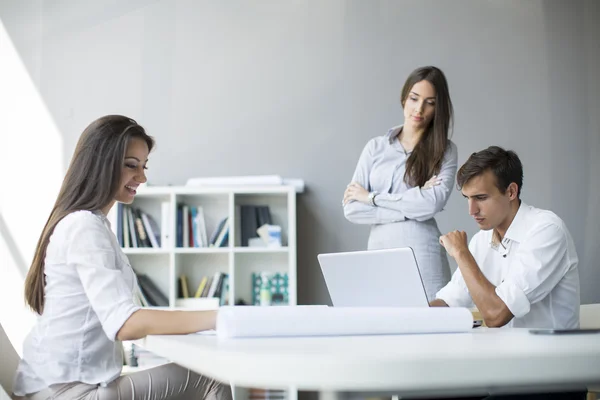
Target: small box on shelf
{"type": "Point", "coordinates": [201, 303]}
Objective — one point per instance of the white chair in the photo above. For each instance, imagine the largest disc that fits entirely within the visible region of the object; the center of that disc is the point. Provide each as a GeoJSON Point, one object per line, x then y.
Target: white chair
{"type": "Point", "coordinates": [589, 317]}
{"type": "Point", "coordinates": [8, 366]}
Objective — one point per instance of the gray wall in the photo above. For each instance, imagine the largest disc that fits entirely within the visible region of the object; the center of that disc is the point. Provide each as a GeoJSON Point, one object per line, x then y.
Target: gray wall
{"type": "Point", "coordinates": [297, 88]}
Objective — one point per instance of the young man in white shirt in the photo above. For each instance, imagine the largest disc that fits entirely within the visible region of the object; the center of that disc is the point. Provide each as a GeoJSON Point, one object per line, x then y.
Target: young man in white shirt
{"type": "Point", "coordinates": [520, 269]}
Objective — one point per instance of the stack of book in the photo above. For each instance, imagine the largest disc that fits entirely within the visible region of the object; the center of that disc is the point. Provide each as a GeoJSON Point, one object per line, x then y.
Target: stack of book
{"type": "Point", "coordinates": [216, 286]}
{"type": "Point", "coordinates": [192, 232]}
{"type": "Point", "coordinates": [135, 228]}
{"type": "Point", "coordinates": [150, 294]}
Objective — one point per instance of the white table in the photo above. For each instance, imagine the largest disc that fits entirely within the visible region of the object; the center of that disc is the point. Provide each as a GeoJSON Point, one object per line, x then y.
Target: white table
{"type": "Point", "coordinates": [479, 362]}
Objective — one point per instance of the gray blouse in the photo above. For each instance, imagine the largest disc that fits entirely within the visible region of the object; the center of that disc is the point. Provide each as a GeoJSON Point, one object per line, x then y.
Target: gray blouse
{"type": "Point", "coordinates": [381, 168]}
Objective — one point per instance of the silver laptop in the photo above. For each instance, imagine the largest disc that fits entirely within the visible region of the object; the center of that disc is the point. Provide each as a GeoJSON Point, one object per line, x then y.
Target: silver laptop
{"type": "Point", "coordinates": [374, 278]}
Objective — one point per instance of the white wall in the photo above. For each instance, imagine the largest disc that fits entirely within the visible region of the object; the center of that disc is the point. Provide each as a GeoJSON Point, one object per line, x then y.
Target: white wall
{"type": "Point", "coordinates": [298, 87]}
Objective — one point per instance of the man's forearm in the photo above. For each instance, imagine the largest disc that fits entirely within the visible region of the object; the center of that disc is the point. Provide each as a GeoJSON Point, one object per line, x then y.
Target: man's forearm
{"type": "Point", "coordinates": [492, 308]}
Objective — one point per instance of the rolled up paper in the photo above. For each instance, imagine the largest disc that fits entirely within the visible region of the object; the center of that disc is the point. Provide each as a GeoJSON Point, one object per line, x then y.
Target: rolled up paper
{"type": "Point", "coordinates": [281, 321]}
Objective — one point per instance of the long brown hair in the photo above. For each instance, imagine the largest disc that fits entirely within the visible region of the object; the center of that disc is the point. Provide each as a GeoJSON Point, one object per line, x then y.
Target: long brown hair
{"type": "Point", "coordinates": [91, 183]}
{"type": "Point", "coordinates": [427, 156]}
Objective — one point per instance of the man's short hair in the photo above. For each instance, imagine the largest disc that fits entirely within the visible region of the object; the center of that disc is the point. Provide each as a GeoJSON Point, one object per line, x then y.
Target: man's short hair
{"type": "Point", "coordinates": [504, 164]}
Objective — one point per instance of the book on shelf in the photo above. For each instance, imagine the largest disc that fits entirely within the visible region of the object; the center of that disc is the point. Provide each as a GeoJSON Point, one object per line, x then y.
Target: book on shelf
{"type": "Point", "coordinates": [191, 227]}
{"type": "Point", "coordinates": [183, 282]}
{"type": "Point", "coordinates": [207, 287]}
{"type": "Point", "coordinates": [201, 287]}
{"type": "Point", "coordinates": [152, 230]}
{"type": "Point", "coordinates": [224, 291]}
{"type": "Point", "coordinates": [143, 240]}
{"type": "Point", "coordinates": [154, 296]}
{"type": "Point", "coordinates": [200, 227]}
{"type": "Point", "coordinates": [139, 298]}
{"type": "Point", "coordinates": [216, 285]}
{"type": "Point", "coordinates": [217, 279]}
{"type": "Point", "coordinates": [136, 229]}
{"type": "Point", "coordinates": [186, 226]}
{"type": "Point", "coordinates": [131, 224]}
{"type": "Point", "coordinates": [220, 236]}
{"type": "Point", "coordinates": [125, 226]}
{"type": "Point", "coordinates": [120, 224]}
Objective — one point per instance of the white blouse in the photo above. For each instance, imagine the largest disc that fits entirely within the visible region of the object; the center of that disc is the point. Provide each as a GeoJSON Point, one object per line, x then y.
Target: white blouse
{"type": "Point", "coordinates": [89, 294]}
{"type": "Point", "coordinates": [381, 168]}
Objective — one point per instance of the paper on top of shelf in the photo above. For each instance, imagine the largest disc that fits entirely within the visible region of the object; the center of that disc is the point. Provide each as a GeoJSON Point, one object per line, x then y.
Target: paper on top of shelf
{"type": "Point", "coordinates": [249, 180]}
{"type": "Point", "coordinates": [278, 321]}
{"type": "Point", "coordinates": [236, 180]}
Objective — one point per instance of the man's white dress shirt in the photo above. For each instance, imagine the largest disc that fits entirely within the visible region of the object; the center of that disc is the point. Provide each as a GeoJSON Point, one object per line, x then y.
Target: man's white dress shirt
{"type": "Point", "coordinates": [534, 270]}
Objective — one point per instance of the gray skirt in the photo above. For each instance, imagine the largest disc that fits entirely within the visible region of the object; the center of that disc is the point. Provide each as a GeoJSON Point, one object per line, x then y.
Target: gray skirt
{"type": "Point", "coordinates": [423, 238]}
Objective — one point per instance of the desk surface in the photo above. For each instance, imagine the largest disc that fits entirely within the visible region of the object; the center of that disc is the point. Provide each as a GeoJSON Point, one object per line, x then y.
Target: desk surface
{"type": "Point", "coordinates": [482, 360]}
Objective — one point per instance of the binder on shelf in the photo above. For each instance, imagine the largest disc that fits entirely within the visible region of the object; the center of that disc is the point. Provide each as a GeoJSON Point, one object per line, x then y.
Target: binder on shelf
{"type": "Point", "coordinates": [165, 225]}
{"type": "Point", "coordinates": [179, 242]}
{"type": "Point", "coordinates": [249, 223]}
{"type": "Point", "coordinates": [264, 216]}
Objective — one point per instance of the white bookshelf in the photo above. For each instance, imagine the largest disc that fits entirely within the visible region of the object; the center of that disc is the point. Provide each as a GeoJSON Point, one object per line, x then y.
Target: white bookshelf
{"type": "Point", "coordinates": [164, 265]}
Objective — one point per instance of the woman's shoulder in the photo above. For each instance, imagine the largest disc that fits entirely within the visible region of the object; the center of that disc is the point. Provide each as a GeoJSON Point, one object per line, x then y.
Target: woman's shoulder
{"type": "Point", "coordinates": [451, 146]}
{"type": "Point", "coordinates": [78, 219]}
{"type": "Point", "coordinates": [386, 139]}
{"type": "Point", "coordinates": [451, 150]}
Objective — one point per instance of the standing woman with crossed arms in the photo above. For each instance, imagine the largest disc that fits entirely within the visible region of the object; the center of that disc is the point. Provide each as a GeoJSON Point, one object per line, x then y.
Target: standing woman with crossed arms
{"type": "Point", "coordinates": [404, 178]}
